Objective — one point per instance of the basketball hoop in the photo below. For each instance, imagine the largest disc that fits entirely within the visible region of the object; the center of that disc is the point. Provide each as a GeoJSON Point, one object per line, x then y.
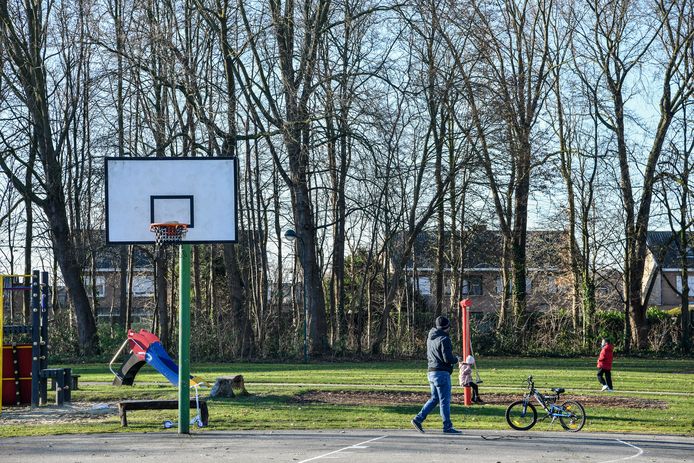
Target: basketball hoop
{"type": "Point", "coordinates": [169, 233]}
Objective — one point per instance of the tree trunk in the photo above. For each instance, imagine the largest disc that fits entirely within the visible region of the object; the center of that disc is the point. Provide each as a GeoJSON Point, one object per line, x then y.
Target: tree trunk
{"type": "Point", "coordinates": [519, 239]}
{"type": "Point", "coordinates": [237, 296]}
{"type": "Point", "coordinates": [313, 285]}
{"type": "Point", "coordinates": [123, 286]}
{"type": "Point", "coordinates": [28, 238]}
{"type": "Point", "coordinates": [685, 335]}
{"type": "Point", "coordinates": [129, 290]}
{"type": "Point", "coordinates": [686, 241]}
{"type": "Point", "coordinates": [440, 263]}
{"type": "Point", "coordinates": [71, 270]}
{"type": "Point", "coordinates": [279, 289]}
{"type": "Point", "coordinates": [162, 306]}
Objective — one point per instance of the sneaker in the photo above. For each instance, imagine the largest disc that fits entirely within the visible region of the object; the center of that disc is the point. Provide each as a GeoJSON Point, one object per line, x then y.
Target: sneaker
{"type": "Point", "coordinates": [609, 389]}
{"type": "Point", "coordinates": [479, 401]}
{"type": "Point", "coordinates": [452, 431]}
{"type": "Point", "coordinates": [605, 388]}
{"type": "Point", "coordinates": [417, 425]}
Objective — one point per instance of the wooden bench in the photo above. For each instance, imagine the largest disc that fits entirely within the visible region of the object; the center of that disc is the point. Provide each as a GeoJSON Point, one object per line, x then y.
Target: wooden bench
{"type": "Point", "coordinates": [126, 405]}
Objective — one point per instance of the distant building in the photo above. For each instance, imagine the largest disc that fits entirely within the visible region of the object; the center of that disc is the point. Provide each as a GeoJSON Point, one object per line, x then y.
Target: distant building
{"type": "Point", "coordinates": [549, 281]}
{"type": "Point", "coordinates": [663, 270]}
{"type": "Point", "coordinates": [106, 283]}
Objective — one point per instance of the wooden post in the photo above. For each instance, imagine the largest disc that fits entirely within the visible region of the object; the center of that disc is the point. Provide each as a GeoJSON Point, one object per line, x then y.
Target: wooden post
{"type": "Point", "coordinates": [465, 335]}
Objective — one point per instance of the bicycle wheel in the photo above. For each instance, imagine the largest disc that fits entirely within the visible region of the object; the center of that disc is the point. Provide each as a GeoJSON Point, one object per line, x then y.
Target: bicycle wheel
{"type": "Point", "coordinates": [521, 415]}
{"type": "Point", "coordinates": [577, 418]}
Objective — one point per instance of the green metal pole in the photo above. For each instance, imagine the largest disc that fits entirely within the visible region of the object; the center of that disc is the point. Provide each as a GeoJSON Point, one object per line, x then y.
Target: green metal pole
{"type": "Point", "coordinates": [184, 340]}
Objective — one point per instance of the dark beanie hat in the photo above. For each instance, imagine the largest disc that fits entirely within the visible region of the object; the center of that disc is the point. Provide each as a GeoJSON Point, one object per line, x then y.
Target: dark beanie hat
{"type": "Point", "coordinates": [442, 323]}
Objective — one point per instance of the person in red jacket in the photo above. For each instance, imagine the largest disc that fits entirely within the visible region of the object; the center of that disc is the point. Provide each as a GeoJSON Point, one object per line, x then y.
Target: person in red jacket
{"type": "Point", "coordinates": [605, 365]}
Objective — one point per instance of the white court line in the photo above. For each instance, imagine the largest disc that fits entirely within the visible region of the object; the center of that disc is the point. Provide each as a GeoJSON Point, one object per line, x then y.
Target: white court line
{"type": "Point", "coordinates": [640, 452]}
{"type": "Point", "coordinates": [355, 446]}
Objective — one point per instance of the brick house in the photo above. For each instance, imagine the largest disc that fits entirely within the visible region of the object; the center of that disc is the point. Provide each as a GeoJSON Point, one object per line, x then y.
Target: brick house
{"type": "Point", "coordinates": [106, 284]}
{"type": "Point", "coordinates": [662, 274]}
{"type": "Point", "coordinates": [548, 277]}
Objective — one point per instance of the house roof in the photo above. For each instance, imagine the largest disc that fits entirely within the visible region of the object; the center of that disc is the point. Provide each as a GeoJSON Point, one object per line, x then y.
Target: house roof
{"type": "Point", "coordinates": [483, 249]}
{"type": "Point", "coordinates": [664, 245]}
{"type": "Point", "coordinates": [108, 256]}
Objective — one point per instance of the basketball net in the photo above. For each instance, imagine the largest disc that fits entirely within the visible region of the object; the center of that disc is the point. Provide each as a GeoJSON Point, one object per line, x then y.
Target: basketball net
{"type": "Point", "coordinates": [168, 233]}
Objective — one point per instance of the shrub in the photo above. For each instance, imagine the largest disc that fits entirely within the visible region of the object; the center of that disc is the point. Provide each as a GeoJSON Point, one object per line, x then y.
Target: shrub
{"type": "Point", "coordinates": [609, 324]}
{"type": "Point", "coordinates": [62, 336]}
{"type": "Point", "coordinates": [654, 314]}
{"type": "Point", "coordinates": [111, 337]}
{"type": "Point", "coordinates": [664, 330]}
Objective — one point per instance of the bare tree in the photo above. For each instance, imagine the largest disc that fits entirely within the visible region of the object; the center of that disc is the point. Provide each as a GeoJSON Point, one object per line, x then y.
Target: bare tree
{"type": "Point", "coordinates": [618, 40]}
{"type": "Point", "coordinates": [424, 115]}
{"type": "Point", "coordinates": [23, 35]}
{"type": "Point", "coordinates": [675, 175]}
{"type": "Point", "coordinates": [296, 50]}
{"type": "Point", "coordinates": [510, 66]}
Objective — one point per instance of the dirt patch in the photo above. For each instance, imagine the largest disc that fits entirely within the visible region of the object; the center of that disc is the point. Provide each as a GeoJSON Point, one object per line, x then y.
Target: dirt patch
{"type": "Point", "coordinates": [418, 398]}
{"type": "Point", "coordinates": [69, 413]}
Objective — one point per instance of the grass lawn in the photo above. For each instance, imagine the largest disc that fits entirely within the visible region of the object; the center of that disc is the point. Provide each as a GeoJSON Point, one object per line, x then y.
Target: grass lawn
{"type": "Point", "coordinates": [652, 396]}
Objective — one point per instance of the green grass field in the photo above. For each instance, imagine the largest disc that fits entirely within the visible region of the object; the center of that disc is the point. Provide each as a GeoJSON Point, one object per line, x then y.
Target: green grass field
{"type": "Point", "coordinates": [276, 388]}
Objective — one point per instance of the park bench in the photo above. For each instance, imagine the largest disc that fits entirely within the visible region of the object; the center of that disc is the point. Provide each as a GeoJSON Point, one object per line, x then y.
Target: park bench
{"type": "Point", "coordinates": [126, 405]}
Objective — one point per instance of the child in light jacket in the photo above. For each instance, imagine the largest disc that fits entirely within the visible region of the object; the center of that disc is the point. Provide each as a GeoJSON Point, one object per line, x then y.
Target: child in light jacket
{"type": "Point", "coordinates": [465, 378]}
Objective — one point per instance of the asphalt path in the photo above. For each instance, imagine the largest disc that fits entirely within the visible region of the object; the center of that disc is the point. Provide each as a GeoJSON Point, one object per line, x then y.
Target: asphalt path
{"type": "Point", "coordinates": [372, 446]}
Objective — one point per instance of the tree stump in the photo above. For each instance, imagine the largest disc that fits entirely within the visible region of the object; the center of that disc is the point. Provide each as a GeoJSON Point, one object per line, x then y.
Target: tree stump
{"type": "Point", "coordinates": [224, 387]}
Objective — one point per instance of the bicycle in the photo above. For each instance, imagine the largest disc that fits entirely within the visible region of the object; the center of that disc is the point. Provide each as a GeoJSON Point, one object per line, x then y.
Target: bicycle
{"type": "Point", "coordinates": [522, 414]}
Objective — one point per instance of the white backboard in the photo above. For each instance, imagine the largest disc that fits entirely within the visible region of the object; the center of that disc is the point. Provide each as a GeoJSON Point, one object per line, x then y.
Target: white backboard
{"type": "Point", "coordinates": [200, 192]}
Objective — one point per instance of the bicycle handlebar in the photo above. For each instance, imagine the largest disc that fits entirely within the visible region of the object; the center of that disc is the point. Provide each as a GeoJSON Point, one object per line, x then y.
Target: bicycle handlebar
{"type": "Point", "coordinates": [531, 383]}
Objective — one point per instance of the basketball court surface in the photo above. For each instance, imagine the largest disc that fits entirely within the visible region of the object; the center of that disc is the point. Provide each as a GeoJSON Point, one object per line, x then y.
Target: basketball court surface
{"type": "Point", "coordinates": [400, 446]}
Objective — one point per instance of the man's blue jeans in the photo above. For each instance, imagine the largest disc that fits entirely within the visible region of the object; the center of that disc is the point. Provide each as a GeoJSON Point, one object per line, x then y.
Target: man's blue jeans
{"type": "Point", "coordinates": [440, 382]}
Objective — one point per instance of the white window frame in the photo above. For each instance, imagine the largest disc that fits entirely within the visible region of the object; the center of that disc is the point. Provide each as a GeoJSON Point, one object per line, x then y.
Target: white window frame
{"type": "Point", "coordinates": [690, 280]}
{"type": "Point", "coordinates": [143, 285]}
{"type": "Point", "coordinates": [500, 285]}
{"type": "Point", "coordinates": [424, 285]}
{"type": "Point", "coordinates": [472, 286]}
{"type": "Point", "coordinates": [100, 285]}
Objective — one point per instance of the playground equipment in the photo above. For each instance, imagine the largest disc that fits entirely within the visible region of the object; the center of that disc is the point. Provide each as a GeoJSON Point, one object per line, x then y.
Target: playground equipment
{"type": "Point", "coordinates": [145, 347]}
{"type": "Point", "coordinates": [24, 373]}
{"type": "Point", "coordinates": [465, 305]}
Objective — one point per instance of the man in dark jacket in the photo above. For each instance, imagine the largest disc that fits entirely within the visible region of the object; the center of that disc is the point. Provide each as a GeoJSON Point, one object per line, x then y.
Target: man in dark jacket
{"type": "Point", "coordinates": [441, 361]}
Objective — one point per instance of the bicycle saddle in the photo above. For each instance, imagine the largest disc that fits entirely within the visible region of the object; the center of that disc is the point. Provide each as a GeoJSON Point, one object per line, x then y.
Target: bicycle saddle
{"type": "Point", "coordinates": [558, 390]}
